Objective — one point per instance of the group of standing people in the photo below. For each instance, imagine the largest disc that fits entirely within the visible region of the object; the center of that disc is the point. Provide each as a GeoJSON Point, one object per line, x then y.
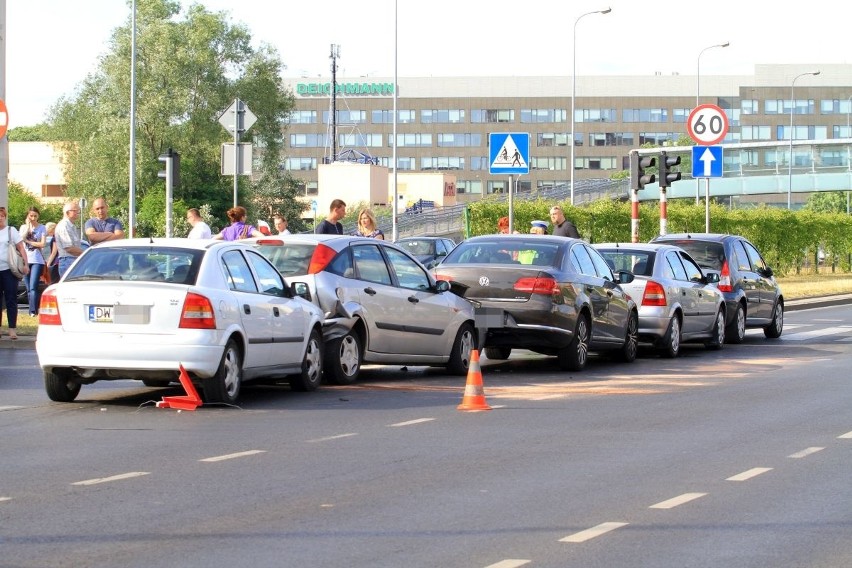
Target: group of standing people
{"type": "Point", "coordinates": [562, 227]}
{"type": "Point", "coordinates": [367, 226]}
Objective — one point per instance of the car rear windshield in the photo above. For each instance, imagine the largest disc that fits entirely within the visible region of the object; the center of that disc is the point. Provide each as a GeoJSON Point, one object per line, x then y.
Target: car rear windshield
{"type": "Point", "coordinates": [417, 248]}
{"type": "Point", "coordinates": [514, 251]}
{"type": "Point", "coordinates": [149, 264]}
{"type": "Point", "coordinates": [708, 254]}
{"type": "Point", "coordinates": [639, 262]}
{"type": "Point", "coordinates": [291, 259]}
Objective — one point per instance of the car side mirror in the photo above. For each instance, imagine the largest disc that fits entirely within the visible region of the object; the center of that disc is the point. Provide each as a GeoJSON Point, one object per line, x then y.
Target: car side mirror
{"type": "Point", "coordinates": [712, 277]}
{"type": "Point", "coordinates": [301, 290]}
{"type": "Point", "coordinates": [766, 272]}
{"type": "Point", "coordinates": [624, 277]}
{"type": "Point", "coordinates": [442, 286]}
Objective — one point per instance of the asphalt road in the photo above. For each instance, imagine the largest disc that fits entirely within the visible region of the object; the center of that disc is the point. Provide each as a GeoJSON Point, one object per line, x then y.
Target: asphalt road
{"type": "Point", "coordinates": [732, 458]}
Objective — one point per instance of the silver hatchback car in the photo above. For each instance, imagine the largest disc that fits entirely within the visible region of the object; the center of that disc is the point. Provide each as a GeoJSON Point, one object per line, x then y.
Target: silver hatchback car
{"type": "Point", "coordinates": [677, 301]}
{"type": "Point", "coordinates": [381, 305]}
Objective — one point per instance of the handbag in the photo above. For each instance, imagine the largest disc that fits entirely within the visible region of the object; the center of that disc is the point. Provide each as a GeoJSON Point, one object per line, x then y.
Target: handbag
{"type": "Point", "coordinates": [17, 263]}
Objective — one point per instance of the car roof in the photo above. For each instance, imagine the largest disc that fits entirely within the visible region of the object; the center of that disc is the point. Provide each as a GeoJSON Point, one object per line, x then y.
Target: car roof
{"type": "Point", "coordinates": [717, 237]}
{"type": "Point", "coordinates": [200, 244]}
{"type": "Point", "coordinates": [648, 247]}
{"type": "Point", "coordinates": [553, 239]}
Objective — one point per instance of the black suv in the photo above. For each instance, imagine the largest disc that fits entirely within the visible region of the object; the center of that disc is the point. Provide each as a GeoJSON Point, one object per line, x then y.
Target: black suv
{"type": "Point", "coordinates": [752, 296]}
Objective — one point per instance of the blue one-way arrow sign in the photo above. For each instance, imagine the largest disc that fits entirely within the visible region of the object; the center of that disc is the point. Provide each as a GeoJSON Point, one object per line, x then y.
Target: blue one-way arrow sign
{"type": "Point", "coordinates": [706, 161]}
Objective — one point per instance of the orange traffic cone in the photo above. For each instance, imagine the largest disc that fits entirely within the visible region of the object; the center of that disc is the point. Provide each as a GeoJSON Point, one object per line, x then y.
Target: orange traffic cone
{"type": "Point", "coordinates": [474, 396]}
{"type": "Point", "coordinates": [189, 402]}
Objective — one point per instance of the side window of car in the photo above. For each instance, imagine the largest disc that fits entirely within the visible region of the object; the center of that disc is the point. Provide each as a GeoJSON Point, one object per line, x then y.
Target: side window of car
{"type": "Point", "coordinates": [370, 264]}
{"type": "Point", "coordinates": [237, 272]}
{"type": "Point", "coordinates": [693, 272]}
{"type": "Point", "coordinates": [756, 260]}
{"type": "Point", "coordinates": [268, 278]}
{"type": "Point", "coordinates": [673, 263]}
{"type": "Point", "coordinates": [581, 261]}
{"type": "Point", "coordinates": [601, 267]}
{"type": "Point", "coordinates": [408, 273]}
{"type": "Point", "coordinates": [740, 260]}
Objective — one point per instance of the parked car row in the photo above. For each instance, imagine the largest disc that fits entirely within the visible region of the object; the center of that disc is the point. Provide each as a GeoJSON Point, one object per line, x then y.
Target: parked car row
{"type": "Point", "coordinates": [302, 309]}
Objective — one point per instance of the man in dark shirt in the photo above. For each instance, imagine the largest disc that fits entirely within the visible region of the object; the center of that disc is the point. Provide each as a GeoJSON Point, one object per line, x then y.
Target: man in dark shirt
{"type": "Point", "coordinates": [561, 226]}
{"type": "Point", "coordinates": [331, 225]}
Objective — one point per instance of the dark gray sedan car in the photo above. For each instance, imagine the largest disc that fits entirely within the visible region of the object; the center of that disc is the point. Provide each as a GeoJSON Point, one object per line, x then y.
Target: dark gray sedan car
{"type": "Point", "coordinates": [552, 295]}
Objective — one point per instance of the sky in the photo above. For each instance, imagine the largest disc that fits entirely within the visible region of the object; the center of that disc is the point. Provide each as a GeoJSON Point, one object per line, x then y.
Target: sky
{"type": "Point", "coordinates": [51, 45]}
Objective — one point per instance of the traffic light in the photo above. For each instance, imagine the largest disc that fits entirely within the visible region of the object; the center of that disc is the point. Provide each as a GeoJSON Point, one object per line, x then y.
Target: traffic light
{"type": "Point", "coordinates": [172, 171]}
{"type": "Point", "coordinates": [639, 177]}
{"type": "Point", "coordinates": [667, 176]}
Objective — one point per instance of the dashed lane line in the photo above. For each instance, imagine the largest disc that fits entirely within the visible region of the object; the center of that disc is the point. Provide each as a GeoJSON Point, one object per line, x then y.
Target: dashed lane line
{"type": "Point", "coordinates": [411, 422]}
{"type": "Point", "coordinates": [679, 500]}
{"type": "Point", "coordinates": [806, 452]}
{"type": "Point", "coordinates": [509, 563]}
{"type": "Point", "coordinates": [119, 477]}
{"type": "Point", "coordinates": [329, 438]}
{"type": "Point", "coordinates": [748, 474]}
{"type": "Point", "coordinates": [232, 456]}
{"type": "Point", "coordinates": [593, 532]}
{"type": "Point", "coordinates": [845, 436]}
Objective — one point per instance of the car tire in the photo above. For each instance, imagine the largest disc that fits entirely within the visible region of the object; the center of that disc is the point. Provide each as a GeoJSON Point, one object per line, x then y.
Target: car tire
{"type": "Point", "coordinates": [717, 340]}
{"type": "Point", "coordinates": [670, 344]}
{"type": "Point", "coordinates": [224, 386]}
{"type": "Point", "coordinates": [776, 326]}
{"type": "Point", "coordinates": [498, 353]}
{"type": "Point", "coordinates": [464, 343]}
{"type": "Point", "coordinates": [60, 384]}
{"type": "Point", "coordinates": [311, 376]}
{"type": "Point", "coordinates": [573, 357]}
{"type": "Point", "coordinates": [735, 333]}
{"type": "Point", "coordinates": [630, 348]}
{"type": "Point", "coordinates": [343, 359]}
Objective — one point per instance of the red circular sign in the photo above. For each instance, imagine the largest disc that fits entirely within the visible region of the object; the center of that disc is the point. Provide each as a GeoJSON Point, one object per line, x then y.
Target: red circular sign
{"type": "Point", "coordinates": [4, 118]}
{"type": "Point", "coordinates": [707, 125]}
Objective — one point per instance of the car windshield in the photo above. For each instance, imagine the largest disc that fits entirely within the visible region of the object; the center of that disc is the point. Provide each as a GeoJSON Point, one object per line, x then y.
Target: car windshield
{"type": "Point", "coordinates": [514, 251]}
{"type": "Point", "coordinates": [291, 259]}
{"type": "Point", "coordinates": [707, 254]}
{"type": "Point", "coordinates": [150, 264]}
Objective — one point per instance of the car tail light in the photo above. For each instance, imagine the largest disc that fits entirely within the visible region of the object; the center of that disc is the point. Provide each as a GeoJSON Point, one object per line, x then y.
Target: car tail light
{"type": "Point", "coordinates": [197, 313]}
{"type": "Point", "coordinates": [725, 278]}
{"type": "Point", "coordinates": [655, 294]}
{"type": "Point", "coordinates": [48, 309]}
{"type": "Point", "coordinates": [320, 259]}
{"type": "Point", "coordinates": [269, 242]}
{"type": "Point", "coordinates": [537, 285]}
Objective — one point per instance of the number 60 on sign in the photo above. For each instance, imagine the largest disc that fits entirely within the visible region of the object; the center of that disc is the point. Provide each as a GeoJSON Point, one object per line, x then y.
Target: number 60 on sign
{"type": "Point", "coordinates": [707, 125]}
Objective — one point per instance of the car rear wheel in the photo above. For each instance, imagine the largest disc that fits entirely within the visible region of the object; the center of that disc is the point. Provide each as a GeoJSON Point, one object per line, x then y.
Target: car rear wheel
{"type": "Point", "coordinates": [498, 353]}
{"type": "Point", "coordinates": [670, 344]}
{"type": "Point", "coordinates": [630, 348]}
{"type": "Point", "coordinates": [60, 384]}
{"type": "Point", "coordinates": [460, 357]}
{"type": "Point", "coordinates": [311, 376]}
{"type": "Point", "coordinates": [736, 329]}
{"type": "Point", "coordinates": [573, 357]}
{"type": "Point", "coordinates": [343, 359]}
{"type": "Point", "coordinates": [776, 326]}
{"type": "Point", "coordinates": [717, 339]}
{"type": "Point", "coordinates": [224, 386]}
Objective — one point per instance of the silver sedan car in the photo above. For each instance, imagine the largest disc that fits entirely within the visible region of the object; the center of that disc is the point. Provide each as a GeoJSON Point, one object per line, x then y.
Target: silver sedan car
{"type": "Point", "coordinates": [677, 301]}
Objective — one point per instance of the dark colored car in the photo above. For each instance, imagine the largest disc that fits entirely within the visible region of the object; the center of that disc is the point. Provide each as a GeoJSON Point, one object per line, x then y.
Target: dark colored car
{"type": "Point", "coordinates": [752, 296]}
{"type": "Point", "coordinates": [428, 250]}
{"type": "Point", "coordinates": [23, 300]}
{"type": "Point", "coordinates": [552, 295]}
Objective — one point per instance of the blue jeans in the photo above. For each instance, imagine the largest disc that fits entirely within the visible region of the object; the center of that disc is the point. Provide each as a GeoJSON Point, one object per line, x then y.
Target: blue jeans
{"type": "Point", "coordinates": [32, 282]}
{"type": "Point", "coordinates": [9, 291]}
{"type": "Point", "coordinates": [65, 263]}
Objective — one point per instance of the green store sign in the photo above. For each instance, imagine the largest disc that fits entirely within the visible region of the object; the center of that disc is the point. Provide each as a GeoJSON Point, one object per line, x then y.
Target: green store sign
{"type": "Point", "coordinates": [363, 89]}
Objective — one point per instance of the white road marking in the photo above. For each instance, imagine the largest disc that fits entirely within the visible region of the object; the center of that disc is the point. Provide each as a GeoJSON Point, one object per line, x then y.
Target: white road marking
{"type": "Point", "coordinates": [753, 472]}
{"type": "Point", "coordinates": [805, 335]}
{"type": "Point", "coordinates": [2, 408]}
{"type": "Point", "coordinates": [118, 477]}
{"type": "Point", "coordinates": [679, 500]}
{"type": "Point", "coordinates": [593, 532]}
{"type": "Point", "coordinates": [410, 422]}
{"type": "Point", "coordinates": [509, 563]}
{"type": "Point", "coordinates": [339, 436]}
{"type": "Point", "coordinates": [232, 456]}
{"type": "Point", "coordinates": [806, 452]}
{"type": "Point", "coordinates": [845, 436]}
{"type": "Point", "coordinates": [5, 499]}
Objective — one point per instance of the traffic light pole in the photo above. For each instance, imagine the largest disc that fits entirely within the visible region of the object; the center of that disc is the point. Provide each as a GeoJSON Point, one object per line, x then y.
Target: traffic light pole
{"type": "Point", "coordinates": [634, 215]}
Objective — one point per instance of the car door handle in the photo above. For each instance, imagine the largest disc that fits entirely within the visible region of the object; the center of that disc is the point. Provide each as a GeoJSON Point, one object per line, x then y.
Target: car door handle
{"type": "Point", "coordinates": [370, 291]}
{"type": "Point", "coordinates": [246, 309]}
{"type": "Point", "coordinates": [413, 299]}
{"type": "Point", "coordinates": [275, 311]}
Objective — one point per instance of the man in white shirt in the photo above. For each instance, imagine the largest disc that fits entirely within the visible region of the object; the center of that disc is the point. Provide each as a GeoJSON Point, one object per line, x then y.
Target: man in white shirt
{"type": "Point", "coordinates": [280, 224]}
{"type": "Point", "coordinates": [67, 236]}
{"type": "Point", "coordinates": [200, 229]}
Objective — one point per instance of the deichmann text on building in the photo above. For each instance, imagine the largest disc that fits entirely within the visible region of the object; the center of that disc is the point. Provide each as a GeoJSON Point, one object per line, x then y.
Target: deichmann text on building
{"type": "Point", "coordinates": [307, 89]}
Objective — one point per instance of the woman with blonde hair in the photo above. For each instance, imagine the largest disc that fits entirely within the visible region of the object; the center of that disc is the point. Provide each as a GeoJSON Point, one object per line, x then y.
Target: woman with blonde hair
{"type": "Point", "coordinates": [367, 225]}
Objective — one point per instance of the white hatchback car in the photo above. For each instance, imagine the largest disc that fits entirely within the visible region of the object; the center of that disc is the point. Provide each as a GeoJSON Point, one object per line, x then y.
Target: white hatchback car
{"type": "Point", "coordinates": [139, 308]}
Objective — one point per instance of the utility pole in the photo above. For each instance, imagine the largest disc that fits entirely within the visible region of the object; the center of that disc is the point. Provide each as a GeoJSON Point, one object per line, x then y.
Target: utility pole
{"type": "Point", "coordinates": [335, 53]}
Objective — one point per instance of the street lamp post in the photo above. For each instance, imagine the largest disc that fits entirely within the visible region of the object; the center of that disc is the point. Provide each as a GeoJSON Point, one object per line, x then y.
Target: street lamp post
{"type": "Point", "coordinates": [790, 160]}
{"type": "Point", "coordinates": [574, 90]}
{"type": "Point", "coordinates": [697, 94]}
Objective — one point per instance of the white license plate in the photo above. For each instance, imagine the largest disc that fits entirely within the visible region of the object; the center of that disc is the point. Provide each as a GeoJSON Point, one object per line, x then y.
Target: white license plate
{"type": "Point", "coordinates": [100, 314]}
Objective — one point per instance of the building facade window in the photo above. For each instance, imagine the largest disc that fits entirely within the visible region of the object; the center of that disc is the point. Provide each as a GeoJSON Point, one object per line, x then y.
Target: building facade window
{"type": "Point", "coordinates": [479, 163]}
{"type": "Point", "coordinates": [454, 140]}
{"type": "Point", "coordinates": [656, 138]}
{"type": "Point", "coordinates": [645, 115]}
{"type": "Point", "coordinates": [679, 115]}
{"type": "Point", "coordinates": [550, 139]}
{"type": "Point", "coordinates": [543, 115]}
{"type": "Point", "coordinates": [835, 106]}
{"type": "Point", "coordinates": [346, 117]}
{"type": "Point", "coordinates": [597, 163]}
{"type": "Point", "coordinates": [441, 163]}
{"type": "Point", "coordinates": [358, 140]}
{"type": "Point", "coordinates": [469, 186]}
{"type": "Point", "coordinates": [548, 163]}
{"type": "Point", "coordinates": [802, 132]}
{"type": "Point", "coordinates": [595, 115]}
{"type": "Point", "coordinates": [307, 141]}
{"type": "Point", "coordinates": [411, 140]}
{"type": "Point", "coordinates": [300, 164]}
{"type": "Point", "coordinates": [492, 115]}
{"type": "Point", "coordinates": [782, 106]}
{"type": "Point", "coordinates": [756, 133]}
{"type": "Point", "coordinates": [750, 106]}
{"type": "Point", "coordinates": [611, 139]}
{"type": "Point", "coordinates": [841, 131]}
{"type": "Point", "coordinates": [442, 116]}
{"type": "Point", "coordinates": [302, 117]}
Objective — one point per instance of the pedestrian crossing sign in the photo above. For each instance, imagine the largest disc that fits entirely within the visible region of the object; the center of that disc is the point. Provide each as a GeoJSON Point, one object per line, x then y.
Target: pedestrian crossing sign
{"type": "Point", "coordinates": [509, 152]}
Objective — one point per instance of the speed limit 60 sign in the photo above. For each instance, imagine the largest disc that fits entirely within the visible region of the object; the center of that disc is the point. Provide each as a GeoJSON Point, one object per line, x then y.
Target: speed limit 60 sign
{"type": "Point", "coordinates": [707, 125]}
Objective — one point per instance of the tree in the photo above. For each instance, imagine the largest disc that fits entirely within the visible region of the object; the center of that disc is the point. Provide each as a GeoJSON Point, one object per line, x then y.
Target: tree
{"type": "Point", "coordinates": [188, 70]}
{"type": "Point", "coordinates": [827, 202]}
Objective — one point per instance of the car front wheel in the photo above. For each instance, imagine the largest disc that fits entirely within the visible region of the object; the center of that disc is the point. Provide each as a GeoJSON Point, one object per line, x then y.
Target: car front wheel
{"type": "Point", "coordinates": [776, 326]}
{"type": "Point", "coordinates": [61, 385]}
{"type": "Point", "coordinates": [717, 340]}
{"type": "Point", "coordinates": [343, 359]}
{"type": "Point", "coordinates": [464, 343]}
{"type": "Point", "coordinates": [224, 386]}
{"type": "Point", "coordinates": [311, 376]}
